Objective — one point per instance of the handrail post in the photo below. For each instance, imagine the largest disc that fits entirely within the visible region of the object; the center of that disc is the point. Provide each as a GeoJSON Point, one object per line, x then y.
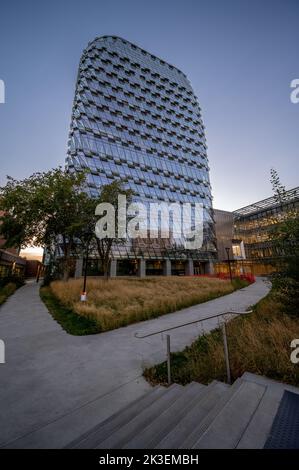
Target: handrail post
{"type": "Point", "coordinates": [226, 353]}
{"type": "Point", "coordinates": [168, 360]}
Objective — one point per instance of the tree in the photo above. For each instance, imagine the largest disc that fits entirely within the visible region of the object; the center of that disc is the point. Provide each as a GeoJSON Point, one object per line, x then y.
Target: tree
{"type": "Point", "coordinates": [278, 189]}
{"type": "Point", "coordinates": [109, 194]}
{"type": "Point", "coordinates": [66, 209]}
{"type": "Point", "coordinates": [284, 236]}
{"type": "Point", "coordinates": [285, 232]}
{"type": "Point", "coordinates": [53, 209]}
{"type": "Point", "coordinates": [21, 218]}
{"type": "Point", "coordinates": [46, 209]}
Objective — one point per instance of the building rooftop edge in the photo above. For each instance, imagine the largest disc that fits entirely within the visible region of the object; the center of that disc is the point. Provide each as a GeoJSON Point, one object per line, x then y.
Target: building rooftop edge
{"type": "Point", "coordinates": [113, 36]}
{"type": "Point", "coordinates": [291, 194]}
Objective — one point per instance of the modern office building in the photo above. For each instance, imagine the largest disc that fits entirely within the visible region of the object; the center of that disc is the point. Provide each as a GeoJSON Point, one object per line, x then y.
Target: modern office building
{"type": "Point", "coordinates": [136, 118]}
{"type": "Point", "coordinates": [246, 232]}
{"type": "Point", "coordinates": [253, 224]}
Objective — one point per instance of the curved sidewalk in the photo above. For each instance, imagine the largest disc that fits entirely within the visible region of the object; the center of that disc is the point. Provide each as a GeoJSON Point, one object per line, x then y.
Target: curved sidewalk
{"type": "Point", "coordinates": [55, 387]}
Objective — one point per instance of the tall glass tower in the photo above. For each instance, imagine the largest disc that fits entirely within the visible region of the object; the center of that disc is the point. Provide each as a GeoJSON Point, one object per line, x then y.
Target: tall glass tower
{"type": "Point", "coordinates": [135, 117]}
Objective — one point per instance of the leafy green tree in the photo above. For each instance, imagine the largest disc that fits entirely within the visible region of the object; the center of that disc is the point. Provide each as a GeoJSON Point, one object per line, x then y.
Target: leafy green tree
{"type": "Point", "coordinates": [285, 239]}
{"type": "Point", "coordinates": [47, 209]}
{"type": "Point", "coordinates": [285, 232]}
{"type": "Point", "coordinates": [280, 194]}
{"type": "Point", "coordinates": [20, 219]}
{"type": "Point", "coordinates": [109, 194]}
{"type": "Point", "coordinates": [53, 210]}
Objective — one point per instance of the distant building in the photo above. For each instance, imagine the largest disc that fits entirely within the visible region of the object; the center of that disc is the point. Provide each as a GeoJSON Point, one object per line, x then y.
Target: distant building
{"type": "Point", "coordinates": [10, 261]}
{"type": "Point", "coordinates": [11, 264]}
{"type": "Point", "coordinates": [136, 118]}
{"type": "Point", "coordinates": [253, 223]}
{"type": "Point", "coordinates": [251, 248]}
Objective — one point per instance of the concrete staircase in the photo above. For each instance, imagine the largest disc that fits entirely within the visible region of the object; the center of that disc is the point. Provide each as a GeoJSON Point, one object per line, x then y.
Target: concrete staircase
{"type": "Point", "coordinates": [193, 417]}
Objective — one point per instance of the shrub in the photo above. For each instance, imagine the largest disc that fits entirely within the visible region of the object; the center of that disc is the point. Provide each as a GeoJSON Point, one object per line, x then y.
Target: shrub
{"type": "Point", "coordinates": [17, 280]}
{"type": "Point", "coordinates": [6, 291]}
{"type": "Point", "coordinates": [257, 342]}
{"type": "Point", "coordinates": [287, 293]}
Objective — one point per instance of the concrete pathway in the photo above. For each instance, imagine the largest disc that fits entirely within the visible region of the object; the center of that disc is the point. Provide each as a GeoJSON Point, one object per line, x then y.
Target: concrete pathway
{"type": "Point", "coordinates": [54, 386]}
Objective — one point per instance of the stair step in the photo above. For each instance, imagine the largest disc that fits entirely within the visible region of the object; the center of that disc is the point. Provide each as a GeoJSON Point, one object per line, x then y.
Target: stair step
{"type": "Point", "coordinates": [199, 426]}
{"type": "Point", "coordinates": [225, 428]}
{"type": "Point", "coordinates": [259, 379]}
{"type": "Point", "coordinates": [122, 435]}
{"type": "Point", "coordinates": [101, 431]}
{"type": "Point", "coordinates": [154, 432]}
{"type": "Point", "coordinates": [260, 426]}
{"type": "Point", "coordinates": [200, 407]}
{"type": "Point", "coordinates": [195, 416]}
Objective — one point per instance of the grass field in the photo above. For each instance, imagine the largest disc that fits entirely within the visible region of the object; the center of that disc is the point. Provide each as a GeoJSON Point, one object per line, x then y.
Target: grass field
{"type": "Point", "coordinates": [119, 302]}
{"type": "Point", "coordinates": [258, 343]}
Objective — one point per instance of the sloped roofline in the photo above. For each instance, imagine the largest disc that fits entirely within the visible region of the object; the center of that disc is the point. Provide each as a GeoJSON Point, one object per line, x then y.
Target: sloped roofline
{"type": "Point", "coordinates": [113, 36]}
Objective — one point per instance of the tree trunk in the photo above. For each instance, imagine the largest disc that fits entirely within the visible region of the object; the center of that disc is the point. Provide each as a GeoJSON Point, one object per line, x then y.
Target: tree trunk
{"type": "Point", "coordinates": [66, 264]}
{"type": "Point", "coordinates": [66, 271]}
{"type": "Point", "coordinates": [106, 271]}
{"type": "Point", "coordinates": [66, 267]}
{"type": "Point", "coordinates": [104, 255]}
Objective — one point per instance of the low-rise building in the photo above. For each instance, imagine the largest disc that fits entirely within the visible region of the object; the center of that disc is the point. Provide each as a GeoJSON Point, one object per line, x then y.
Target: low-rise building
{"type": "Point", "coordinates": [246, 232]}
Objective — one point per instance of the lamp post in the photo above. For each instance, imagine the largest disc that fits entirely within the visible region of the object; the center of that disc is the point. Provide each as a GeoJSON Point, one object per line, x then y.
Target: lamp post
{"type": "Point", "coordinates": [229, 266]}
{"type": "Point", "coordinates": [243, 269]}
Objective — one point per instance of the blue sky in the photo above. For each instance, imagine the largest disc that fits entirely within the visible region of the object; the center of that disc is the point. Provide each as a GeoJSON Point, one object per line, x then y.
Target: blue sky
{"type": "Point", "coordinates": [239, 55]}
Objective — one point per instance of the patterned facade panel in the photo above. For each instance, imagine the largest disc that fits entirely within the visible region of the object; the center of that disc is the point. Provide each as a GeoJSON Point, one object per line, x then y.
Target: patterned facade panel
{"type": "Point", "coordinates": [136, 118]}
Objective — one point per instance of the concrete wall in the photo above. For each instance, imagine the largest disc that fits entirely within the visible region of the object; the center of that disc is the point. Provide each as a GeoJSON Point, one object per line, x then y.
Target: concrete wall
{"type": "Point", "coordinates": [224, 228]}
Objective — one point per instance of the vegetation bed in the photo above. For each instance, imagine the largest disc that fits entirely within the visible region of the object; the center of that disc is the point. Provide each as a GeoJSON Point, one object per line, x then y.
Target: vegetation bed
{"type": "Point", "coordinates": [120, 302]}
{"type": "Point", "coordinates": [258, 343]}
{"type": "Point", "coordinates": [8, 285]}
{"type": "Point", "coordinates": [6, 291]}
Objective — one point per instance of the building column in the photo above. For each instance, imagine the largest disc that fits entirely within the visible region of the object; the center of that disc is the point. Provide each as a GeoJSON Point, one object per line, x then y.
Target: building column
{"type": "Point", "coordinates": [209, 267]}
{"type": "Point", "coordinates": [113, 268]}
{"type": "Point", "coordinates": [141, 267]}
{"type": "Point", "coordinates": [167, 267]}
{"type": "Point", "coordinates": [189, 268]}
{"type": "Point", "coordinates": [79, 268]}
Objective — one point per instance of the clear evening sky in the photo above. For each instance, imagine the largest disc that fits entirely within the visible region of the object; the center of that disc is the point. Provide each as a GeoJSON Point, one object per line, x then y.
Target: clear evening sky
{"type": "Point", "coordinates": [240, 57]}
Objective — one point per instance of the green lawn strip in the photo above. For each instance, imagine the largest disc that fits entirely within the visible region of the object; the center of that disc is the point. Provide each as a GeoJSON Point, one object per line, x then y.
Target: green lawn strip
{"type": "Point", "coordinates": [71, 322]}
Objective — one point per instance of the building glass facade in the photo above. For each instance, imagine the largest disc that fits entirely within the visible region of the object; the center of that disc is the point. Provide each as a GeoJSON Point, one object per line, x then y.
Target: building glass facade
{"type": "Point", "coordinates": [136, 118]}
{"type": "Point", "coordinates": [247, 232]}
{"type": "Point", "coordinates": [253, 224]}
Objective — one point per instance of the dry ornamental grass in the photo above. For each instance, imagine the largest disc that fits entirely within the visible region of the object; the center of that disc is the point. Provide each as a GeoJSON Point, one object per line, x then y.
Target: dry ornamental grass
{"type": "Point", "coordinates": [258, 343]}
{"type": "Point", "coordinates": [119, 302]}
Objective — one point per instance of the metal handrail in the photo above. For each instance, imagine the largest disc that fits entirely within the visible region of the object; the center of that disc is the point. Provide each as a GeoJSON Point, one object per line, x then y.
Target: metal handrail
{"type": "Point", "coordinates": [191, 323]}
{"type": "Point", "coordinates": [225, 346]}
